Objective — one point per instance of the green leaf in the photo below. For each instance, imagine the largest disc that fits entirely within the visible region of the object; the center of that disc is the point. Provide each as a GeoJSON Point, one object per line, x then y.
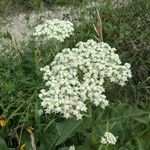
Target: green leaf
{"type": "Point", "coordinates": [85, 146]}
{"type": "Point", "coordinates": [68, 128]}
{"type": "Point", "coordinates": [3, 145]}
{"type": "Point", "coordinates": [143, 119]}
{"type": "Point", "coordinates": [48, 138]}
{"type": "Point", "coordinates": [26, 139]}
{"type": "Point", "coordinates": [127, 146]}
{"type": "Point", "coordinates": [37, 118]}
{"type": "Point", "coordinates": [124, 112]}
{"type": "Point", "coordinates": [141, 144]}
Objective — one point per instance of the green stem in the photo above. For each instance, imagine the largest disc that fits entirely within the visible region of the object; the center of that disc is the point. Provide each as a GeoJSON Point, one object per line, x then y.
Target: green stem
{"type": "Point", "coordinates": [100, 147]}
{"type": "Point", "coordinates": [56, 46]}
{"type": "Point", "coordinates": [93, 130]}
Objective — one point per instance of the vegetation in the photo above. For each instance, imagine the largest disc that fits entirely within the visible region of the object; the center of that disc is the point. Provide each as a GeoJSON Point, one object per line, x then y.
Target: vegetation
{"type": "Point", "coordinates": [8, 6]}
{"type": "Point", "coordinates": [127, 116]}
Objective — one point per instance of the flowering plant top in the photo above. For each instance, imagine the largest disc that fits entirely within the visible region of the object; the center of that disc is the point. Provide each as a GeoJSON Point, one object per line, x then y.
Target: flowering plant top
{"type": "Point", "coordinates": [76, 78]}
{"type": "Point", "coordinates": [108, 138]}
{"type": "Point", "coordinates": [54, 29]}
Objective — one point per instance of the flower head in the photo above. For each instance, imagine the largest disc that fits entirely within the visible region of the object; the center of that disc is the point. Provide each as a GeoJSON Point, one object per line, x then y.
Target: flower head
{"type": "Point", "coordinates": [54, 29]}
{"type": "Point", "coordinates": [108, 138]}
{"type": "Point", "coordinates": [77, 76]}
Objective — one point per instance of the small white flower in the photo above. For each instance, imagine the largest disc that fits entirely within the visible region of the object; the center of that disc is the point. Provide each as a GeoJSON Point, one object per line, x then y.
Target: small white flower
{"type": "Point", "coordinates": [108, 138]}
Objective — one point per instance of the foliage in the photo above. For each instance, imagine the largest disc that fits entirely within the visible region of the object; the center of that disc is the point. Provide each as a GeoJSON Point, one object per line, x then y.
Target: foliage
{"type": "Point", "coordinates": [128, 115]}
{"type": "Point", "coordinates": [8, 6]}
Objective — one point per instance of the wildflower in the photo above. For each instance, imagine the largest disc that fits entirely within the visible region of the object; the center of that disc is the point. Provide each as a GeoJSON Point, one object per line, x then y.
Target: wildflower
{"type": "Point", "coordinates": [2, 121]}
{"type": "Point", "coordinates": [54, 29]}
{"type": "Point", "coordinates": [108, 138]}
{"type": "Point", "coordinates": [76, 77]}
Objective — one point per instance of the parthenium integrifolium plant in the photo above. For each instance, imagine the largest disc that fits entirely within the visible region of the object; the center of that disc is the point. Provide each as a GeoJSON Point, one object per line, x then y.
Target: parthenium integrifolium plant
{"type": "Point", "coordinates": [76, 78]}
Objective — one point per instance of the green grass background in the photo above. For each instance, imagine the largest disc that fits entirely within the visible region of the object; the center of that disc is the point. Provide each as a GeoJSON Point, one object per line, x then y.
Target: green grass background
{"type": "Point", "coordinates": [127, 29]}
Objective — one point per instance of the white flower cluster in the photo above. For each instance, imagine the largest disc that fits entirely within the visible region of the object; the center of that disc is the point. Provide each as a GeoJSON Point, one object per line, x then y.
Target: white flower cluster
{"type": "Point", "coordinates": [54, 29]}
{"type": "Point", "coordinates": [108, 138]}
{"type": "Point", "coordinates": [76, 77]}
